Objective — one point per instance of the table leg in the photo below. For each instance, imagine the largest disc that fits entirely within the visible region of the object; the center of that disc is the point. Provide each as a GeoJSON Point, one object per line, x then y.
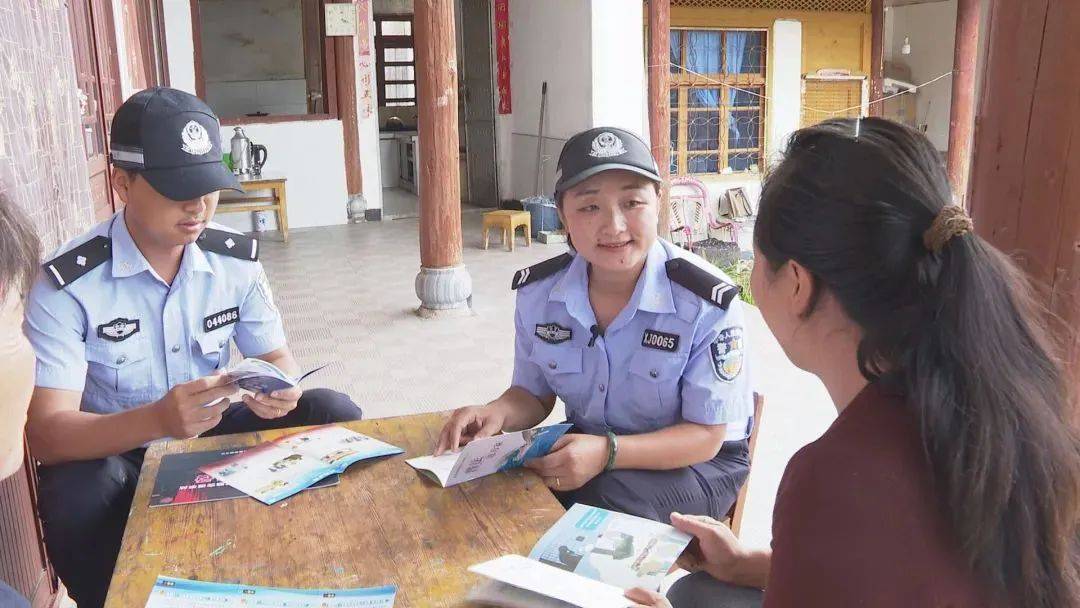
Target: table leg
{"type": "Point", "coordinates": [485, 230]}
{"type": "Point", "coordinates": [282, 212]}
{"type": "Point", "coordinates": [528, 234]}
{"type": "Point", "coordinates": [510, 233]}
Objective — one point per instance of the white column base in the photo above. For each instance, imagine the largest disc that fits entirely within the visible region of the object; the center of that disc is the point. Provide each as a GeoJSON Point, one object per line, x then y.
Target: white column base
{"type": "Point", "coordinates": [444, 292]}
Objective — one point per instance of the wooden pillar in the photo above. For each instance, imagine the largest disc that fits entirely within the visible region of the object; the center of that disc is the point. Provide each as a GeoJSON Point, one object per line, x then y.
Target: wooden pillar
{"type": "Point", "coordinates": [877, 54]}
{"type": "Point", "coordinates": [962, 114]}
{"type": "Point", "coordinates": [443, 283]}
{"type": "Point", "coordinates": [345, 60]}
{"type": "Point", "coordinates": [659, 100]}
{"type": "Point", "coordinates": [1024, 190]}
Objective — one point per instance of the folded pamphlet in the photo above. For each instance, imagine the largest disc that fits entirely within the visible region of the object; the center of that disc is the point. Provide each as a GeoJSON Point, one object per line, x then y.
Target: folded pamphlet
{"type": "Point", "coordinates": [260, 376]}
{"type": "Point", "coordinates": [280, 468]}
{"type": "Point", "coordinates": [169, 592]}
{"type": "Point", "coordinates": [489, 455]}
{"type": "Point", "coordinates": [179, 480]}
{"type": "Point", "coordinates": [588, 559]}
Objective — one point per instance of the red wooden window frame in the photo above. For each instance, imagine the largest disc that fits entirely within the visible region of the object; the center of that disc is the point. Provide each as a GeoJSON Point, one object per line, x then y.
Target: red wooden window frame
{"type": "Point", "coordinates": [383, 42]}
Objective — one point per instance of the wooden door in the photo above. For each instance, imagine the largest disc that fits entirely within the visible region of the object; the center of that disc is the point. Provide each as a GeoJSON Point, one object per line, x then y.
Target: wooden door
{"type": "Point", "coordinates": [98, 79]}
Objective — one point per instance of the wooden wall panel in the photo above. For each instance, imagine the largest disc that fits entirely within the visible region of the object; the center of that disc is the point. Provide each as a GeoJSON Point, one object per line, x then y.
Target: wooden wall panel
{"type": "Point", "coordinates": [1025, 176]}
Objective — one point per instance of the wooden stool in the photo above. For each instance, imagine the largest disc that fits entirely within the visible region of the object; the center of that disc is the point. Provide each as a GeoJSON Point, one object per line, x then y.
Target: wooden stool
{"type": "Point", "coordinates": [508, 222]}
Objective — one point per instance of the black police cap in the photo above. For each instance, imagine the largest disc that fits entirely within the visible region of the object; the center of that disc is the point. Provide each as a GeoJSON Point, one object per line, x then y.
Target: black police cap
{"type": "Point", "coordinates": [603, 149]}
{"type": "Point", "coordinates": [172, 139]}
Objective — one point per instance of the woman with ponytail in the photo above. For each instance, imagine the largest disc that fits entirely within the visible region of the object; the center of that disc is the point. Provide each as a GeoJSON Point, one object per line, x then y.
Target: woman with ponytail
{"type": "Point", "coordinates": [951, 476]}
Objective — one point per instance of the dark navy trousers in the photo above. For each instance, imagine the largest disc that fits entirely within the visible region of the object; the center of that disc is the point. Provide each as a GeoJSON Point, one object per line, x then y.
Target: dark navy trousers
{"type": "Point", "coordinates": [84, 505]}
{"type": "Point", "coordinates": [708, 488]}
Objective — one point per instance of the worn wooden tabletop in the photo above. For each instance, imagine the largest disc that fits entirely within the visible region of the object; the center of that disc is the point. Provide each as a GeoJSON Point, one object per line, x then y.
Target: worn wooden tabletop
{"type": "Point", "coordinates": [383, 524]}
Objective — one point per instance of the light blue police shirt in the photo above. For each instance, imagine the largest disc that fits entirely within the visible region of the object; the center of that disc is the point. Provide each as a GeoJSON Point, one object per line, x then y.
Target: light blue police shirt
{"type": "Point", "coordinates": [124, 337]}
{"type": "Point", "coordinates": [669, 356]}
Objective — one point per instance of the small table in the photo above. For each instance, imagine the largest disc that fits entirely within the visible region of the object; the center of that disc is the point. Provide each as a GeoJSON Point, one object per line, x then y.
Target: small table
{"type": "Point", "coordinates": [275, 202]}
{"type": "Point", "coordinates": [383, 524]}
{"type": "Point", "coordinates": [508, 221]}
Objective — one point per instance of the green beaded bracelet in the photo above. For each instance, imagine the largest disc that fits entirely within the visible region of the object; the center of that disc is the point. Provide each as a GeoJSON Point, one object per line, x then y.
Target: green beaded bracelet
{"type": "Point", "coordinates": [612, 451]}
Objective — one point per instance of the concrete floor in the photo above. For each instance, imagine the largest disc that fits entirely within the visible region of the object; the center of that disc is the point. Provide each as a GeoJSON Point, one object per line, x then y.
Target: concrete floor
{"type": "Point", "coordinates": [347, 297]}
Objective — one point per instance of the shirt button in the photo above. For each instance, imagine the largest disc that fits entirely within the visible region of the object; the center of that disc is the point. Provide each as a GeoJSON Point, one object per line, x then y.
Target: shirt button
{"type": "Point", "coordinates": [602, 388]}
{"type": "Point", "coordinates": [552, 365]}
{"type": "Point", "coordinates": [653, 373]}
{"type": "Point", "coordinates": [120, 360]}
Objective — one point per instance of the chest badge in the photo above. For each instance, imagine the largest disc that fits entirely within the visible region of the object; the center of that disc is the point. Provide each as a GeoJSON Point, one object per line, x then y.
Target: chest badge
{"type": "Point", "coordinates": [727, 353]}
{"type": "Point", "coordinates": [660, 340]}
{"type": "Point", "coordinates": [553, 333]}
{"type": "Point", "coordinates": [221, 319]}
{"type": "Point", "coordinates": [118, 330]}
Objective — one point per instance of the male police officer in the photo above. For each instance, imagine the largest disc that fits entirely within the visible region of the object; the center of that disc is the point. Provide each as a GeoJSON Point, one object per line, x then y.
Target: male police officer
{"type": "Point", "coordinates": [131, 323]}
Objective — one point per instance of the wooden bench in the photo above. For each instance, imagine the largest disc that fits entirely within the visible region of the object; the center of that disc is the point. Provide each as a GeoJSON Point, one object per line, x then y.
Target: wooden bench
{"type": "Point", "coordinates": [276, 202]}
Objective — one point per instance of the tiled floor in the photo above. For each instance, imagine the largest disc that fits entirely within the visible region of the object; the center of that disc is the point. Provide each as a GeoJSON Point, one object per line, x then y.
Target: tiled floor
{"type": "Point", "coordinates": [347, 296]}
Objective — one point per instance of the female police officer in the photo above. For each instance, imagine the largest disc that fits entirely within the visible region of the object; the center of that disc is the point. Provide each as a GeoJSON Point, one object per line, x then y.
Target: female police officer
{"type": "Point", "coordinates": [641, 340]}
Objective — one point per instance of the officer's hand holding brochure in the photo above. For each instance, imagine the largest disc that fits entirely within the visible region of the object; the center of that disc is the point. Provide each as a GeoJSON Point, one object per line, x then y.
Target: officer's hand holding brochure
{"type": "Point", "coordinates": [280, 468]}
{"type": "Point", "coordinates": [260, 376]}
{"type": "Point", "coordinates": [169, 592]}
{"type": "Point", "coordinates": [490, 455]}
{"type": "Point", "coordinates": [588, 559]}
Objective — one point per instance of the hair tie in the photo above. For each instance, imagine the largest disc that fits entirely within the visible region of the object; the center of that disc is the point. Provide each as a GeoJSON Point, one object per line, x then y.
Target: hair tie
{"type": "Point", "coordinates": [951, 221]}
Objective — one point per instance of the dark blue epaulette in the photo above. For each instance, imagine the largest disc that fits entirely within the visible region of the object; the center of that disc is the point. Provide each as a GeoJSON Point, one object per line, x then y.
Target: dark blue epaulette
{"type": "Point", "coordinates": [228, 243]}
{"type": "Point", "coordinates": [69, 267]}
{"type": "Point", "coordinates": [702, 282]}
{"type": "Point", "coordinates": [539, 271]}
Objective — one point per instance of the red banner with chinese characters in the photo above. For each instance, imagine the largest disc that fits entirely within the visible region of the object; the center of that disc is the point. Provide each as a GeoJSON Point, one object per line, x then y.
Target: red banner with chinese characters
{"type": "Point", "coordinates": [502, 53]}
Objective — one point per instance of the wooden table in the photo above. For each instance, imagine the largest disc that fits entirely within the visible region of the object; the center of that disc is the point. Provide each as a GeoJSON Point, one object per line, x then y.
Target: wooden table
{"type": "Point", "coordinates": [276, 202]}
{"type": "Point", "coordinates": [384, 524]}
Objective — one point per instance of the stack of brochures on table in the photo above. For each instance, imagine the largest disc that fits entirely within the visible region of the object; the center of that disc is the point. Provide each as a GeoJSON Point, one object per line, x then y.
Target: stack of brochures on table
{"type": "Point", "coordinates": [179, 480]}
{"type": "Point", "coordinates": [260, 376]}
{"type": "Point", "coordinates": [489, 455]}
{"type": "Point", "coordinates": [171, 592]}
{"type": "Point", "coordinates": [280, 468]}
{"type": "Point", "coordinates": [588, 559]}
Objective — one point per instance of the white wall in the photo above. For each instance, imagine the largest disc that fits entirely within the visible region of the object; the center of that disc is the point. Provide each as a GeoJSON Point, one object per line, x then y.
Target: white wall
{"type": "Point", "coordinates": [549, 41]}
{"type": "Point", "coordinates": [368, 120]}
{"type": "Point", "coordinates": [785, 84]}
{"type": "Point", "coordinates": [619, 81]}
{"type": "Point", "coordinates": [179, 44]}
{"type": "Point", "coordinates": [311, 155]}
{"type": "Point", "coordinates": [931, 30]}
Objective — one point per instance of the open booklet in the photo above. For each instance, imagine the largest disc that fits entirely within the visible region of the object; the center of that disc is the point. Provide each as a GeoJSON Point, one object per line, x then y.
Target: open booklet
{"type": "Point", "coordinates": [489, 455]}
{"type": "Point", "coordinates": [169, 592]}
{"type": "Point", "coordinates": [179, 480]}
{"type": "Point", "coordinates": [588, 559]}
{"type": "Point", "coordinates": [280, 468]}
{"type": "Point", "coordinates": [260, 376]}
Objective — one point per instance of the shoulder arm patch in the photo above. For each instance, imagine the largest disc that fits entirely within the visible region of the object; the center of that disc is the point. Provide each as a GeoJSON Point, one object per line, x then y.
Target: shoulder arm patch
{"type": "Point", "coordinates": [703, 283]}
{"type": "Point", "coordinates": [67, 268]}
{"type": "Point", "coordinates": [539, 271]}
{"type": "Point", "coordinates": [234, 245]}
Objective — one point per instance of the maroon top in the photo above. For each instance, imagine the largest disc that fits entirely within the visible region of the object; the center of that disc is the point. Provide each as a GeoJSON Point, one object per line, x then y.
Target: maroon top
{"type": "Point", "coordinates": [857, 522]}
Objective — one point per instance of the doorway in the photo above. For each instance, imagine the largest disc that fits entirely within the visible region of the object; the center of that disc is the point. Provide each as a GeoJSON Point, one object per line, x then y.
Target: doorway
{"type": "Point", "coordinates": [97, 74]}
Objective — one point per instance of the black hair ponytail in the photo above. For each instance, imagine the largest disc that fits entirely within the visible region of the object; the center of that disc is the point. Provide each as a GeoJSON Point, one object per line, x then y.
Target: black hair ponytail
{"type": "Point", "coordinates": [955, 329]}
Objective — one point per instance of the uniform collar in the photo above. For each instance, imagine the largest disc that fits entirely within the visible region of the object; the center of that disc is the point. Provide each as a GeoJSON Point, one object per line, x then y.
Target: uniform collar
{"type": "Point", "coordinates": [652, 293]}
{"type": "Point", "coordinates": [128, 261]}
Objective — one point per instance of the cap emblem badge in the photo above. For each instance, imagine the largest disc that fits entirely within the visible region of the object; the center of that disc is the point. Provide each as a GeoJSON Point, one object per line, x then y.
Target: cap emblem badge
{"type": "Point", "coordinates": [606, 145]}
{"type": "Point", "coordinates": [196, 141]}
